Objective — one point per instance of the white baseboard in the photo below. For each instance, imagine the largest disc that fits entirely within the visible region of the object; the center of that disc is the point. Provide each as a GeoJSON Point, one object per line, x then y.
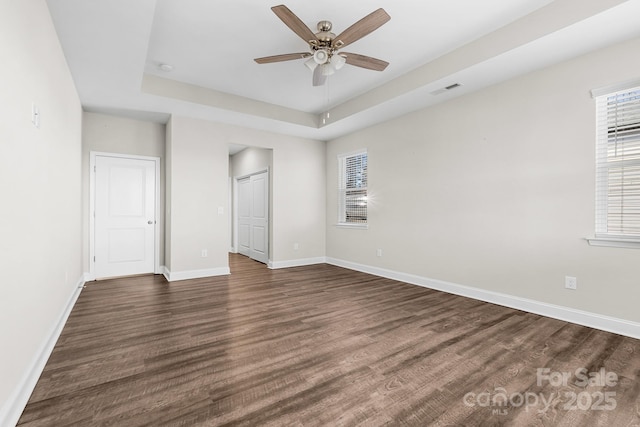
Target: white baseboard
{"type": "Point", "coordinates": [173, 276]}
{"type": "Point", "coordinates": [274, 265]}
{"type": "Point", "coordinates": [11, 410]}
{"type": "Point", "coordinates": [90, 277]}
{"type": "Point", "coordinates": [585, 318]}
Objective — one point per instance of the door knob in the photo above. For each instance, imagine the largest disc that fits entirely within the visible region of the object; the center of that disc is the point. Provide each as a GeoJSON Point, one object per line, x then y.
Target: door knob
{"type": "Point", "coordinates": [149, 222]}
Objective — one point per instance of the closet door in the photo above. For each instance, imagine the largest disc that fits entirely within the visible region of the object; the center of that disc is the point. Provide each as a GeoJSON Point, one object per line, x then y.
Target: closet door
{"type": "Point", "coordinates": [259, 249]}
{"type": "Point", "coordinates": [253, 216]}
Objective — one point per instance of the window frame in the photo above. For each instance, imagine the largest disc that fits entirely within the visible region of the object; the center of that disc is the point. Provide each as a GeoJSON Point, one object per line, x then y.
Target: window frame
{"type": "Point", "coordinates": [342, 218]}
{"type": "Point", "coordinates": [604, 165]}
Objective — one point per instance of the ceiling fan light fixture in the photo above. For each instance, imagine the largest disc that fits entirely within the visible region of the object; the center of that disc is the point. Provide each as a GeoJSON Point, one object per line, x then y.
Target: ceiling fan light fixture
{"type": "Point", "coordinates": [311, 63]}
{"type": "Point", "coordinates": [321, 56]}
{"type": "Point", "coordinates": [327, 69]}
{"type": "Point", "coordinates": [338, 61]}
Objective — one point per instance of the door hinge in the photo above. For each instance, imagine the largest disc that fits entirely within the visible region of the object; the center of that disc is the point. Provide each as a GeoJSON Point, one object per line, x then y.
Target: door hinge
{"type": "Point", "coordinates": [94, 168]}
{"type": "Point", "coordinates": [94, 259]}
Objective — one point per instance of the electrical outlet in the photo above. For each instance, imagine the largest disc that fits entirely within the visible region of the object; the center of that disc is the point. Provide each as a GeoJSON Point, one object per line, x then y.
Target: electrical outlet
{"type": "Point", "coordinates": [379, 252]}
{"type": "Point", "coordinates": [570, 282]}
{"type": "Point", "coordinates": [296, 246]}
{"type": "Point", "coordinates": [204, 253]}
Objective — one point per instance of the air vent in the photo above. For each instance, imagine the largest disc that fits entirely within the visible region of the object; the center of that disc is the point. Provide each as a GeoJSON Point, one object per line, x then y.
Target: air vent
{"type": "Point", "coordinates": [446, 89]}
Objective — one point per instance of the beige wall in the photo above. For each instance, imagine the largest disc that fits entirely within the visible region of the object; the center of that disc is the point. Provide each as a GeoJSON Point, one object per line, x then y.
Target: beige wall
{"type": "Point", "coordinates": [40, 231]}
{"type": "Point", "coordinates": [199, 177]}
{"type": "Point", "coordinates": [110, 134]}
{"type": "Point", "coordinates": [299, 187]}
{"type": "Point", "coordinates": [297, 192]}
{"type": "Point", "coordinates": [250, 160]}
{"type": "Point", "coordinates": [495, 190]}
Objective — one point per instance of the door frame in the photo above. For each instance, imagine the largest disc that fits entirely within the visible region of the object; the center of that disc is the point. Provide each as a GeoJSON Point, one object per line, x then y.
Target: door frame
{"type": "Point", "coordinates": [92, 207]}
{"type": "Point", "coordinates": [235, 209]}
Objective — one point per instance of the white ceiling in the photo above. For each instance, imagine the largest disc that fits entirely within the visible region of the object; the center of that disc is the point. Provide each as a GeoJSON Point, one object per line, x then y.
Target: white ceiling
{"type": "Point", "coordinates": [114, 49]}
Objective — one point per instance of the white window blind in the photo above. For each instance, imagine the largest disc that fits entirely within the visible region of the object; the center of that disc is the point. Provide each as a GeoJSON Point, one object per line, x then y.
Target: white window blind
{"type": "Point", "coordinates": [618, 165]}
{"type": "Point", "coordinates": [352, 188]}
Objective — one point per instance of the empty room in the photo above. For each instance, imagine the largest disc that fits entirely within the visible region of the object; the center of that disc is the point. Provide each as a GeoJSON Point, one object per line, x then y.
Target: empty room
{"type": "Point", "coordinates": [320, 213]}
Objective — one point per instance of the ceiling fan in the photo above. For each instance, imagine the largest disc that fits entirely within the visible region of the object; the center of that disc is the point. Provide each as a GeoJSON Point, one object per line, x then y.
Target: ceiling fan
{"type": "Point", "coordinates": [323, 58]}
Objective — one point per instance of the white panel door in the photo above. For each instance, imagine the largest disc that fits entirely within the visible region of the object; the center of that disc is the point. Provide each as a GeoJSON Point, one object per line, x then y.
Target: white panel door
{"type": "Point", "coordinates": [244, 216]}
{"type": "Point", "coordinates": [124, 216]}
{"type": "Point", "coordinates": [253, 217]}
{"type": "Point", "coordinates": [260, 217]}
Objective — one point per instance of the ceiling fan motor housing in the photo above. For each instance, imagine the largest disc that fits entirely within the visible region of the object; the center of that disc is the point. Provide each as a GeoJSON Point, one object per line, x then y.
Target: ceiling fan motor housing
{"type": "Point", "coordinates": [324, 34]}
{"type": "Point", "coordinates": [323, 48]}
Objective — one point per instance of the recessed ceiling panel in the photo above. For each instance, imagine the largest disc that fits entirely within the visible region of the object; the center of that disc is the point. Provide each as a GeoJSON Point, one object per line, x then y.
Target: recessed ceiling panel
{"type": "Point", "coordinates": [213, 46]}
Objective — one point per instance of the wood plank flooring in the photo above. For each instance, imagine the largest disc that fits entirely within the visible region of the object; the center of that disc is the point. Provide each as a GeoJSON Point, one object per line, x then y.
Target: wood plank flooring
{"type": "Point", "coordinates": [323, 346]}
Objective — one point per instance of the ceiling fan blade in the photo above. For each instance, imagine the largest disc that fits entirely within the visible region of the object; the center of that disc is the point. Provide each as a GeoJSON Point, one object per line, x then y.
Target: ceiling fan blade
{"type": "Point", "coordinates": [293, 22]}
{"type": "Point", "coordinates": [280, 58]}
{"type": "Point", "coordinates": [366, 25]}
{"type": "Point", "coordinates": [319, 79]}
{"type": "Point", "coordinates": [365, 61]}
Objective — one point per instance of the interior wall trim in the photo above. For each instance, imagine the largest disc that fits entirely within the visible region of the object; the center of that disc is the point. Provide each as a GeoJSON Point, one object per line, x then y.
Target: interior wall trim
{"type": "Point", "coordinates": [274, 265]}
{"type": "Point", "coordinates": [12, 409]}
{"type": "Point", "coordinates": [165, 272]}
{"type": "Point", "coordinates": [173, 276]}
{"type": "Point", "coordinates": [567, 314]}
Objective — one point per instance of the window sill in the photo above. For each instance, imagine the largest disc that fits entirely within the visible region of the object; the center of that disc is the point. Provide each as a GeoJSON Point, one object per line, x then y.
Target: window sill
{"type": "Point", "coordinates": [614, 242]}
{"type": "Point", "coordinates": [356, 226]}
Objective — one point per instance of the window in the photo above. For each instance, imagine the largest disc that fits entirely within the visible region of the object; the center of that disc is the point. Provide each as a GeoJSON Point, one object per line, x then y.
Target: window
{"type": "Point", "coordinates": [618, 167]}
{"type": "Point", "coordinates": [352, 189]}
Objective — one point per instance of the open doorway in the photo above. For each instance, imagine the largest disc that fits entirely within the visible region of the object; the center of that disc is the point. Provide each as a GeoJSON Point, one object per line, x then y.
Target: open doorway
{"type": "Point", "coordinates": [250, 184]}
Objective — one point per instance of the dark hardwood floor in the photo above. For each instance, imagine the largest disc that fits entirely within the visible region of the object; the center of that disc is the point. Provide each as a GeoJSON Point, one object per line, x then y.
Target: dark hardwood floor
{"type": "Point", "coordinates": [324, 346]}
